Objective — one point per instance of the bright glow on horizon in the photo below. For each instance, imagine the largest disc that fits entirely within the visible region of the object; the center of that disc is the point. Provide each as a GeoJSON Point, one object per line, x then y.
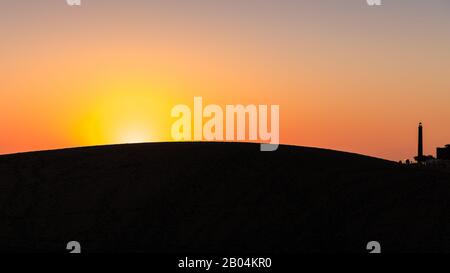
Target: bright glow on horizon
{"type": "Point", "coordinates": [134, 136]}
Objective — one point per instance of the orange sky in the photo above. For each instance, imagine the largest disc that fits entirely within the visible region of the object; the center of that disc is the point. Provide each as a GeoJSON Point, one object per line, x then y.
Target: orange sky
{"type": "Point", "coordinates": [347, 77]}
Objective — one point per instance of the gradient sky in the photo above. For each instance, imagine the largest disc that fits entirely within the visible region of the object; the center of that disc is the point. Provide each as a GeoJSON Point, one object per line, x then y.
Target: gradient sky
{"type": "Point", "coordinates": [347, 76]}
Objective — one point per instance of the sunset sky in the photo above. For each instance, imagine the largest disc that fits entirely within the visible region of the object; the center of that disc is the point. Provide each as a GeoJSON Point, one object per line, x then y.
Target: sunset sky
{"type": "Point", "coordinates": [346, 76]}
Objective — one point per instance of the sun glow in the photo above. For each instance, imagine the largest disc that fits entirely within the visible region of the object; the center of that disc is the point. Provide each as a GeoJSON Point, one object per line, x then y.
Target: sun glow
{"type": "Point", "coordinates": [135, 133]}
{"type": "Point", "coordinates": [126, 112]}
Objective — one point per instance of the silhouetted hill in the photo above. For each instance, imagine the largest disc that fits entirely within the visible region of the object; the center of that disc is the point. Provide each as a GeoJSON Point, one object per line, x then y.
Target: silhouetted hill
{"type": "Point", "coordinates": [216, 197]}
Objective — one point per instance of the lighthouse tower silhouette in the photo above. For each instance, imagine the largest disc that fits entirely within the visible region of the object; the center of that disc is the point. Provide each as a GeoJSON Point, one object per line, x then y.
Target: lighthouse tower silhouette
{"type": "Point", "coordinates": [420, 158]}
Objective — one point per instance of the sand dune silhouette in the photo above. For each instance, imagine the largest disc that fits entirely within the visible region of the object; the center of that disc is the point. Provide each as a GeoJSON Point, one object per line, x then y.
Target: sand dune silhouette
{"type": "Point", "coordinates": [218, 198]}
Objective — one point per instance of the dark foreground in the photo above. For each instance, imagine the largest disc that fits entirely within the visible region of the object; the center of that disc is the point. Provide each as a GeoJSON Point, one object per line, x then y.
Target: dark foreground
{"type": "Point", "coordinates": [219, 198]}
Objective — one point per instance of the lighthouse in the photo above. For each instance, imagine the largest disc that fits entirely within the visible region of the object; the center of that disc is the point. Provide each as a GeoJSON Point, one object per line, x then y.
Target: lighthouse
{"type": "Point", "coordinates": [420, 144]}
{"type": "Point", "coordinates": [420, 158]}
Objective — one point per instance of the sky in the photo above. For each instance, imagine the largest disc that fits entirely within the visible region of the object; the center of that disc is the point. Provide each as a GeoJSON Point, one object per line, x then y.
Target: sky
{"type": "Point", "coordinates": [347, 76]}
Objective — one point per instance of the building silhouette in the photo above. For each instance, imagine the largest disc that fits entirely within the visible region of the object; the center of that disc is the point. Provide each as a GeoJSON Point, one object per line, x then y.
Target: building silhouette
{"type": "Point", "coordinates": [443, 153]}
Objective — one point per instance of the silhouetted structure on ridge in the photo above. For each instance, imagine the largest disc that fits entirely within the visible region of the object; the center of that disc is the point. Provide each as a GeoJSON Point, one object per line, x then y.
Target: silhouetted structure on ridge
{"type": "Point", "coordinates": [420, 146]}
{"type": "Point", "coordinates": [443, 153]}
{"type": "Point", "coordinates": [420, 158]}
